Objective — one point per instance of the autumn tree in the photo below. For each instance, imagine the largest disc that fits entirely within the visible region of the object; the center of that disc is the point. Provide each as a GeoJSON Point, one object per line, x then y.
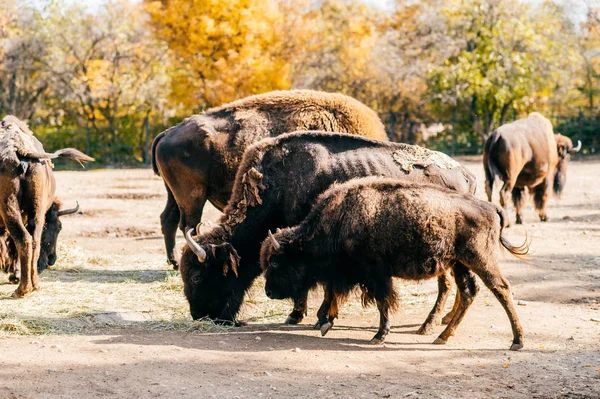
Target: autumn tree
{"type": "Point", "coordinates": [23, 78]}
{"type": "Point", "coordinates": [507, 57]}
{"type": "Point", "coordinates": [107, 69]}
{"type": "Point", "coordinates": [222, 49]}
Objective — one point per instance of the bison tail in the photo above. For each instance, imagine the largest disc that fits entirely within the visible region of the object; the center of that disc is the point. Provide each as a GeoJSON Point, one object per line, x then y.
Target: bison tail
{"type": "Point", "coordinates": [154, 145]}
{"type": "Point", "coordinates": [518, 251]}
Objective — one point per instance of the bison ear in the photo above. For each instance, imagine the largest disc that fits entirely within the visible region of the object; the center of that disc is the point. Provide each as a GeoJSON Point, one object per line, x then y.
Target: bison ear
{"type": "Point", "coordinates": [252, 187]}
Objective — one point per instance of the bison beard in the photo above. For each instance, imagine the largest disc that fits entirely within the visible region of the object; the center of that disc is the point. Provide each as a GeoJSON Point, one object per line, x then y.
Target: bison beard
{"type": "Point", "coordinates": [277, 183]}
{"type": "Point", "coordinates": [364, 232]}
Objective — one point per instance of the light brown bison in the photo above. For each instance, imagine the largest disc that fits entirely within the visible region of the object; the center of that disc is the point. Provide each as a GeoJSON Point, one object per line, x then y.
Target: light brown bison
{"type": "Point", "coordinates": [27, 196]}
{"type": "Point", "coordinates": [199, 157]}
{"type": "Point", "coordinates": [527, 156]}
{"type": "Point", "coordinates": [366, 231]}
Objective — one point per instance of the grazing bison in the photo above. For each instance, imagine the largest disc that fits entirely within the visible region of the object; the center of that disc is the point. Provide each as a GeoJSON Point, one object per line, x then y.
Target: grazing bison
{"type": "Point", "coordinates": [366, 231]}
{"type": "Point", "coordinates": [198, 158]}
{"type": "Point", "coordinates": [278, 181]}
{"type": "Point", "coordinates": [527, 156]}
{"type": "Point", "coordinates": [27, 201]}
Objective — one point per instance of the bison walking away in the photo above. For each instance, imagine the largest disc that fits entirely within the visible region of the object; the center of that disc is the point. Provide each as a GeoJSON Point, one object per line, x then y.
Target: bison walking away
{"type": "Point", "coordinates": [527, 156]}
{"type": "Point", "coordinates": [366, 231]}
{"type": "Point", "coordinates": [277, 183]}
{"type": "Point", "coordinates": [198, 158]}
{"type": "Point", "coordinates": [28, 206]}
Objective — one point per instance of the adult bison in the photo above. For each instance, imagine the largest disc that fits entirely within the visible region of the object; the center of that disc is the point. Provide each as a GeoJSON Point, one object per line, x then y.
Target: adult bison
{"type": "Point", "coordinates": [527, 156]}
{"type": "Point", "coordinates": [198, 158]}
{"type": "Point", "coordinates": [366, 231]}
{"type": "Point", "coordinates": [28, 205]}
{"type": "Point", "coordinates": [278, 181]}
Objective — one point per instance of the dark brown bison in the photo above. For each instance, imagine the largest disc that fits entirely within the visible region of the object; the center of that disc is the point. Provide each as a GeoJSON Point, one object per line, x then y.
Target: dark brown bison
{"type": "Point", "coordinates": [364, 232]}
{"type": "Point", "coordinates": [27, 197]}
{"type": "Point", "coordinates": [276, 185]}
{"type": "Point", "coordinates": [527, 156]}
{"type": "Point", "coordinates": [198, 158]}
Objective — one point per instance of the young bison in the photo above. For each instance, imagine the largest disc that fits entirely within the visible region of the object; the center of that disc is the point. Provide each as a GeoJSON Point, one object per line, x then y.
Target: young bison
{"type": "Point", "coordinates": [366, 231]}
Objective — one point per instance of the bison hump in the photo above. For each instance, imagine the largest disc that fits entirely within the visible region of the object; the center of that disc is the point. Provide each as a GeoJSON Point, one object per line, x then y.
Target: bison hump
{"type": "Point", "coordinates": [411, 155]}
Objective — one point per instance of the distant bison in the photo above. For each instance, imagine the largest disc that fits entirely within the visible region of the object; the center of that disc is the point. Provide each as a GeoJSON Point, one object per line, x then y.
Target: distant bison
{"type": "Point", "coordinates": [527, 155]}
{"type": "Point", "coordinates": [278, 181]}
{"type": "Point", "coordinates": [364, 232]}
{"type": "Point", "coordinates": [199, 157]}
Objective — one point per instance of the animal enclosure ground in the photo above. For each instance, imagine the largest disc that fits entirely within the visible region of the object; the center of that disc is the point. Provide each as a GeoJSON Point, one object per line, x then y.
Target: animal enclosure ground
{"type": "Point", "coordinates": [111, 319]}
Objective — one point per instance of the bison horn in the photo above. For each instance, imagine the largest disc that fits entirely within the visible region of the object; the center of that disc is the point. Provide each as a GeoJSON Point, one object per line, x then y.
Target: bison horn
{"type": "Point", "coordinates": [274, 242]}
{"type": "Point", "coordinates": [195, 247]}
{"type": "Point", "coordinates": [69, 211]}
{"type": "Point", "coordinates": [576, 149]}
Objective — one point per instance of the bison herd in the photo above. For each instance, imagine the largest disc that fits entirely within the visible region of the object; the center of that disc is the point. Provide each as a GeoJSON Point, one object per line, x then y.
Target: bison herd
{"type": "Point", "coordinates": [311, 194]}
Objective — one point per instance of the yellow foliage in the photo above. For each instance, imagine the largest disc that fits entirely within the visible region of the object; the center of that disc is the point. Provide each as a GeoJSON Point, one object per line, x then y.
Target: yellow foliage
{"type": "Point", "coordinates": [222, 49]}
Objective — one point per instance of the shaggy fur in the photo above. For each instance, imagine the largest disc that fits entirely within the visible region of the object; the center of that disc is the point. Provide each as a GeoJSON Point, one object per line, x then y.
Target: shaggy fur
{"type": "Point", "coordinates": [28, 206]}
{"type": "Point", "coordinates": [198, 158]}
{"type": "Point", "coordinates": [276, 185]}
{"type": "Point", "coordinates": [526, 154]}
{"type": "Point", "coordinates": [366, 231]}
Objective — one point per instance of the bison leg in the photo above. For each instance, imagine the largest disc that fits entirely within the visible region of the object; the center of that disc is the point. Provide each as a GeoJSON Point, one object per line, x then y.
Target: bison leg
{"type": "Point", "coordinates": [300, 309]}
{"type": "Point", "coordinates": [467, 286]}
{"type": "Point", "coordinates": [35, 228]}
{"type": "Point", "coordinates": [169, 220]}
{"type": "Point", "coordinates": [385, 296]}
{"type": "Point", "coordinates": [489, 272]}
{"type": "Point", "coordinates": [444, 287]}
{"type": "Point", "coordinates": [24, 244]}
{"type": "Point", "coordinates": [519, 197]}
{"type": "Point", "coordinates": [328, 311]}
{"type": "Point", "coordinates": [540, 198]}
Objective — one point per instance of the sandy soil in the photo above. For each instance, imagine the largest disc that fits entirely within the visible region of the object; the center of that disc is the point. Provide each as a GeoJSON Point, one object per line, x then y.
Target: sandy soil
{"type": "Point", "coordinates": [111, 319]}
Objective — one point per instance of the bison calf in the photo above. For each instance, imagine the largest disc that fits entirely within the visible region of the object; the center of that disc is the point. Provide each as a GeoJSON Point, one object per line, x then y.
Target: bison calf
{"type": "Point", "coordinates": [366, 231]}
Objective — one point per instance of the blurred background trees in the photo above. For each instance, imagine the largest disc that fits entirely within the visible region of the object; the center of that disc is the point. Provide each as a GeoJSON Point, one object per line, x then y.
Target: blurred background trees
{"type": "Point", "coordinates": [440, 73]}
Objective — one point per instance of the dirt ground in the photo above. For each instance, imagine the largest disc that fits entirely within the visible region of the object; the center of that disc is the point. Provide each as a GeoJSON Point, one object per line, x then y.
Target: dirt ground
{"type": "Point", "coordinates": [111, 319]}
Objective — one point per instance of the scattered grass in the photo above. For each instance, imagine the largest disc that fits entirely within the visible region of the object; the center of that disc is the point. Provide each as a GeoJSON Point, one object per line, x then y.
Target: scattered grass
{"type": "Point", "coordinates": [86, 292]}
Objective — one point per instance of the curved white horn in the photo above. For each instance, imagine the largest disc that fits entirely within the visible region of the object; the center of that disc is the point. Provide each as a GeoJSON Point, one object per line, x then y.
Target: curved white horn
{"type": "Point", "coordinates": [194, 246]}
{"type": "Point", "coordinates": [576, 149]}
{"type": "Point", "coordinates": [274, 242]}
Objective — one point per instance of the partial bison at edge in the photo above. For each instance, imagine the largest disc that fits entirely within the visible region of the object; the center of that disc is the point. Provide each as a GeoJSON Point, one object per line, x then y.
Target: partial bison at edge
{"type": "Point", "coordinates": [527, 156]}
{"type": "Point", "coordinates": [364, 232]}
{"type": "Point", "coordinates": [29, 210]}
{"type": "Point", "coordinates": [199, 157]}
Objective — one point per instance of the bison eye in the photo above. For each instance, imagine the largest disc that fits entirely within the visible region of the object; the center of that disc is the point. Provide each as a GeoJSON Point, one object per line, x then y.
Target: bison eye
{"type": "Point", "coordinates": [197, 279]}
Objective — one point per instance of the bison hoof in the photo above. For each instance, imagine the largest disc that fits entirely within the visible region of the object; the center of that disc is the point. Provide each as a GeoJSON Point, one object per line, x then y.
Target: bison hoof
{"type": "Point", "coordinates": [516, 346]}
{"type": "Point", "coordinates": [325, 328]}
{"type": "Point", "coordinates": [377, 341]}
{"type": "Point", "coordinates": [544, 218]}
{"type": "Point", "coordinates": [238, 323]}
{"type": "Point", "coordinates": [293, 320]}
{"type": "Point", "coordinates": [13, 279]}
{"type": "Point", "coordinates": [519, 220]}
{"type": "Point", "coordinates": [20, 293]}
{"type": "Point", "coordinates": [439, 341]}
{"type": "Point", "coordinates": [425, 329]}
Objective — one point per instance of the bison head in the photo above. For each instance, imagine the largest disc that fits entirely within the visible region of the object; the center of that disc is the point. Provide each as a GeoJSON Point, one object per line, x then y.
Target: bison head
{"type": "Point", "coordinates": [286, 274]}
{"type": "Point", "coordinates": [564, 145]}
{"type": "Point", "coordinates": [210, 279]}
{"type": "Point", "coordinates": [52, 228]}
